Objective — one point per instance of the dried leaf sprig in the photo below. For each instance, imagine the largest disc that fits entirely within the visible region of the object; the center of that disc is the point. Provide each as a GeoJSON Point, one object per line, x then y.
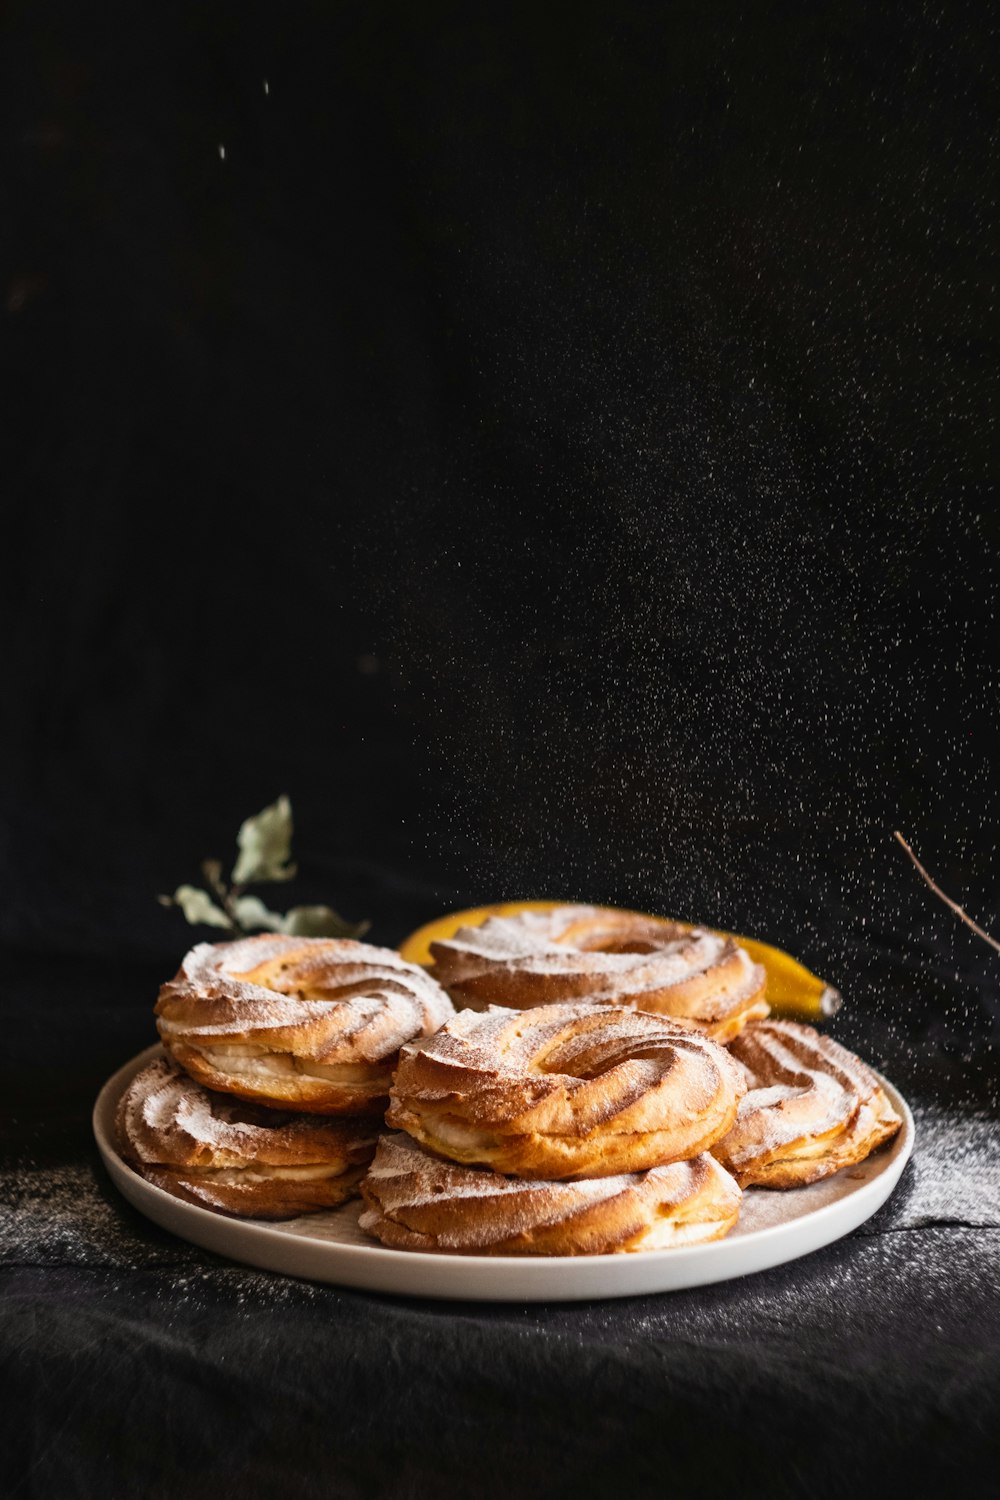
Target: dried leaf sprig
{"type": "Point", "coordinates": [265, 857]}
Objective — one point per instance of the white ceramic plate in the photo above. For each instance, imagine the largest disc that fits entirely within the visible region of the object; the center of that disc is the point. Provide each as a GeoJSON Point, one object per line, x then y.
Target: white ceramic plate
{"type": "Point", "coordinates": [773, 1227]}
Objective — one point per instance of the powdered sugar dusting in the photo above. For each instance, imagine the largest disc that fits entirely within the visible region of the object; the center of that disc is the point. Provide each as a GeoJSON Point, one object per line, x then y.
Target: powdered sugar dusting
{"type": "Point", "coordinates": [167, 1118]}
{"type": "Point", "coordinates": [804, 1089]}
{"type": "Point", "coordinates": [416, 1200]}
{"type": "Point", "coordinates": [956, 1170]}
{"type": "Point", "coordinates": [67, 1216]}
{"type": "Point", "coordinates": [596, 954]}
{"type": "Point", "coordinates": [330, 991]}
{"type": "Point", "coordinates": [565, 1071]}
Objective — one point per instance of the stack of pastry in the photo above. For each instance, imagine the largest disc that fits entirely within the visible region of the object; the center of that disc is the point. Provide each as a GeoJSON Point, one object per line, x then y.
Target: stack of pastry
{"type": "Point", "coordinates": [609, 1082]}
{"type": "Point", "coordinates": [563, 1129]}
{"type": "Point", "coordinates": [280, 1053]}
{"type": "Point", "coordinates": [612, 1095]}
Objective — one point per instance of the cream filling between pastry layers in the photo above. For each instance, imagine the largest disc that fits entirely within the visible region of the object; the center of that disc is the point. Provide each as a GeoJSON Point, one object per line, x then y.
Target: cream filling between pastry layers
{"type": "Point", "coordinates": [460, 1136]}
{"type": "Point", "coordinates": [258, 1172]}
{"type": "Point", "coordinates": [250, 1062]}
{"type": "Point", "coordinates": [789, 1155]}
{"type": "Point", "coordinates": [785, 1153]}
{"type": "Point", "coordinates": [464, 1138]}
{"type": "Point", "coordinates": [666, 1233]}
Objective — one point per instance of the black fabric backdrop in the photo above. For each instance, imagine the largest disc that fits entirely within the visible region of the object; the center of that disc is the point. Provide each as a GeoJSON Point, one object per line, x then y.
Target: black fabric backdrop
{"type": "Point", "coordinates": [550, 443]}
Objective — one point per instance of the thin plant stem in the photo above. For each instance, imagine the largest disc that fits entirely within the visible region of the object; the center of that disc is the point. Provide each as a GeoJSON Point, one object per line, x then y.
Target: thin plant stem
{"type": "Point", "coordinates": [947, 899]}
{"type": "Point", "coordinates": [227, 895]}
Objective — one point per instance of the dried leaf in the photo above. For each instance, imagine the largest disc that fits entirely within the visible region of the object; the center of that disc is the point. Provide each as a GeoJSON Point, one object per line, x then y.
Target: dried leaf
{"type": "Point", "coordinates": [265, 845]}
{"type": "Point", "coordinates": [198, 907]}
{"type": "Point", "coordinates": [252, 915]}
{"type": "Point", "coordinates": [320, 921]}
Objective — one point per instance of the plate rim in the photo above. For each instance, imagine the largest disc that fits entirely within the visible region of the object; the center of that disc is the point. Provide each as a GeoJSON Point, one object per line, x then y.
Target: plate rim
{"type": "Point", "coordinates": [146, 1198]}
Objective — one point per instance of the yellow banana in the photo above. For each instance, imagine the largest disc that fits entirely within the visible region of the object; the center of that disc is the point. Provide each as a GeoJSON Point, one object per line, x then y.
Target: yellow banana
{"type": "Point", "coordinates": [792, 990]}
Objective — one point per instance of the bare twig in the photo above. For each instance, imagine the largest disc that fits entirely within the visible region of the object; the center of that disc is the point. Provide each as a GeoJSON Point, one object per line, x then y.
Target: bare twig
{"type": "Point", "coordinates": [947, 899]}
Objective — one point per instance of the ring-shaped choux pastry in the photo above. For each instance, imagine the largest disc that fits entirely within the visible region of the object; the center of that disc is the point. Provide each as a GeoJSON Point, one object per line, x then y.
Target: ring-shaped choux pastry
{"type": "Point", "coordinates": [311, 1024]}
{"type": "Point", "coordinates": [565, 1091]}
{"type": "Point", "coordinates": [811, 1107]}
{"type": "Point", "coordinates": [219, 1152]}
{"type": "Point", "coordinates": [417, 1201]}
{"type": "Point", "coordinates": [607, 957]}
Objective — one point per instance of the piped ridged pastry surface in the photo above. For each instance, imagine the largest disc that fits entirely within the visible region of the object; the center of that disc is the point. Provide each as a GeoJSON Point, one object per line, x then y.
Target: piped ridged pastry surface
{"type": "Point", "coordinates": [219, 1152]}
{"type": "Point", "coordinates": [565, 1091]}
{"type": "Point", "coordinates": [811, 1108]}
{"type": "Point", "coordinates": [417, 1201]}
{"type": "Point", "coordinates": [312, 1024]}
{"type": "Point", "coordinates": [604, 956]}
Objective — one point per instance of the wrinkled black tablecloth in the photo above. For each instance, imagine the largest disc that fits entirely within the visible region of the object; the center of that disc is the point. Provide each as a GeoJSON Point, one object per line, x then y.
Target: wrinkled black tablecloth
{"type": "Point", "coordinates": [132, 1363]}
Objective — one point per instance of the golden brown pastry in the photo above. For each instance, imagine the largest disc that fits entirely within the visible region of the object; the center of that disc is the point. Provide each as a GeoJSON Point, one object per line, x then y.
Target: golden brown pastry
{"type": "Point", "coordinates": [312, 1024]}
{"type": "Point", "coordinates": [811, 1108]}
{"type": "Point", "coordinates": [607, 957]}
{"type": "Point", "coordinates": [565, 1091]}
{"type": "Point", "coordinates": [417, 1201]}
{"type": "Point", "coordinates": [220, 1153]}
